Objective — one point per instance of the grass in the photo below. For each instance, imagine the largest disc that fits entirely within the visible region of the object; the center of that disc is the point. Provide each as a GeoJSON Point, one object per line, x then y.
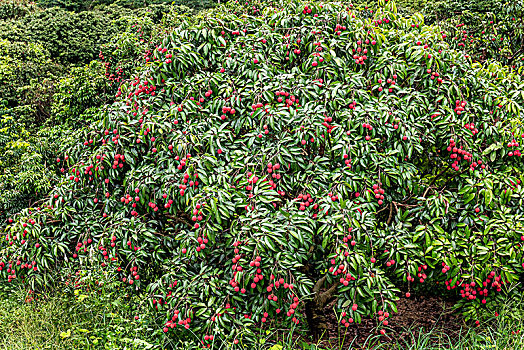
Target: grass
{"type": "Point", "coordinates": [34, 326]}
{"type": "Point", "coordinates": [69, 322]}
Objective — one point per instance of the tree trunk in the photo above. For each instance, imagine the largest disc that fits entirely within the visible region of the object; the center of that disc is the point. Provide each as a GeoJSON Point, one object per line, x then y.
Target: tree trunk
{"type": "Point", "coordinates": [316, 318]}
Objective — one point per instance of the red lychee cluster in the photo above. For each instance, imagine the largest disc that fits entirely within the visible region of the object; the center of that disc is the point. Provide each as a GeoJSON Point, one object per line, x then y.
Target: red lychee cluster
{"type": "Point", "coordinates": [459, 107]}
{"type": "Point", "coordinates": [379, 193]}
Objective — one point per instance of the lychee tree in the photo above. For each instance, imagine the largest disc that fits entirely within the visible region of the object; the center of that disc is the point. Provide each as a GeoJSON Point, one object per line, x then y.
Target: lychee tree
{"type": "Point", "coordinates": [274, 157]}
{"type": "Point", "coordinates": [483, 30]}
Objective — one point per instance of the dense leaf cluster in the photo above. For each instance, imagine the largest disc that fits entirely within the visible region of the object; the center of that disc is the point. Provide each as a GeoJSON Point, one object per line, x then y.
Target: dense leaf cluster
{"type": "Point", "coordinates": [484, 30]}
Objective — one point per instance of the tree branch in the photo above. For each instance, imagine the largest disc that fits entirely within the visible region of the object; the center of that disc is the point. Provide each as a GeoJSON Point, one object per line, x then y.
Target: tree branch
{"type": "Point", "coordinates": [323, 298]}
{"type": "Point", "coordinates": [390, 213]}
{"type": "Point", "coordinates": [319, 284]}
{"type": "Point", "coordinates": [178, 219]}
{"type": "Point", "coordinates": [435, 179]}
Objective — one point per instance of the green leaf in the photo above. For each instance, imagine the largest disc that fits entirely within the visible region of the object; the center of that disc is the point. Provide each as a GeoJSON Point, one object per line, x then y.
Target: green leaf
{"type": "Point", "coordinates": [488, 196]}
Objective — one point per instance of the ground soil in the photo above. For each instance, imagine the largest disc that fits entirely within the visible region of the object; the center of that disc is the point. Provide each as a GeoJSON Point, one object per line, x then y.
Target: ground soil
{"type": "Point", "coordinates": [415, 315]}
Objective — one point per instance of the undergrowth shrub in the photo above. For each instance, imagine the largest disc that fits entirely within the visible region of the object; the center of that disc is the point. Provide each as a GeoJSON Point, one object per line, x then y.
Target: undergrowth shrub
{"type": "Point", "coordinates": [13, 9]}
{"type": "Point", "coordinates": [20, 64]}
{"type": "Point", "coordinates": [83, 5]}
{"type": "Point", "coordinates": [28, 168]}
{"type": "Point", "coordinates": [76, 38]}
{"type": "Point", "coordinates": [79, 96]}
